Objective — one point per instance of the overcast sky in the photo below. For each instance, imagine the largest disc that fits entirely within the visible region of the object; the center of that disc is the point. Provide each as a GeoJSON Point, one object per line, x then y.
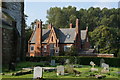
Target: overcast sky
{"type": "Point", "coordinates": [38, 9]}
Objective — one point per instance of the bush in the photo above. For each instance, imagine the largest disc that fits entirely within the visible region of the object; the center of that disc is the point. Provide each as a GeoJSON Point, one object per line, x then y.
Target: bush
{"type": "Point", "coordinates": [113, 62]}
{"type": "Point", "coordinates": [69, 69]}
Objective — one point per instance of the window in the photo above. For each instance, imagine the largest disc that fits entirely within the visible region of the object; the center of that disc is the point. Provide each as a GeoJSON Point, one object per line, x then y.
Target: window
{"type": "Point", "coordinates": [45, 48]}
{"type": "Point", "coordinates": [57, 50]}
{"type": "Point", "coordinates": [52, 39]}
{"type": "Point", "coordinates": [31, 48]}
{"type": "Point", "coordinates": [67, 48]}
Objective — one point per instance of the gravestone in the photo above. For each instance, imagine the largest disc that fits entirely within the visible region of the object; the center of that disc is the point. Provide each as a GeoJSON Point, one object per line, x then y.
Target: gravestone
{"type": "Point", "coordinates": [93, 65]}
{"type": "Point", "coordinates": [60, 70]}
{"type": "Point", "coordinates": [105, 68]}
{"type": "Point", "coordinates": [67, 61]}
{"type": "Point", "coordinates": [53, 62]}
{"type": "Point", "coordinates": [38, 72]}
{"type": "Point", "coordinates": [102, 61]}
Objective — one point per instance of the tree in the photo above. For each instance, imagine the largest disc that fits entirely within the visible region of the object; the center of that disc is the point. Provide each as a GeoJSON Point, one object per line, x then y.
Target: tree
{"type": "Point", "coordinates": [72, 51]}
{"type": "Point", "coordinates": [103, 37]}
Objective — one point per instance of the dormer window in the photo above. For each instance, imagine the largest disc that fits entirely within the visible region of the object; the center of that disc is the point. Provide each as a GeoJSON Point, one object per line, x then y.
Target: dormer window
{"type": "Point", "coordinates": [68, 36]}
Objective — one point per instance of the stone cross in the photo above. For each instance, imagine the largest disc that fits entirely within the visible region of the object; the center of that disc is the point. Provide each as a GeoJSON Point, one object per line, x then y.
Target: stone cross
{"type": "Point", "coordinates": [38, 72]}
{"type": "Point", "coordinates": [60, 70]}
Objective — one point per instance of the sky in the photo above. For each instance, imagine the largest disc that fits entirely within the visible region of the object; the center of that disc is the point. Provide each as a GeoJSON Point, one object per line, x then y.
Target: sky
{"type": "Point", "coordinates": [38, 9]}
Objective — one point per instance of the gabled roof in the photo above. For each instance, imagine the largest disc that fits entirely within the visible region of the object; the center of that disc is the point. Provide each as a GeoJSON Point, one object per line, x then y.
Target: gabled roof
{"type": "Point", "coordinates": [45, 34]}
{"type": "Point", "coordinates": [66, 35]}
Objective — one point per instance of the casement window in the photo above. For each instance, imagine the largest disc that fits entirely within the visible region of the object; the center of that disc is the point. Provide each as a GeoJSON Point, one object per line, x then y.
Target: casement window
{"type": "Point", "coordinates": [31, 48]}
{"type": "Point", "coordinates": [45, 48]}
{"type": "Point", "coordinates": [67, 48]}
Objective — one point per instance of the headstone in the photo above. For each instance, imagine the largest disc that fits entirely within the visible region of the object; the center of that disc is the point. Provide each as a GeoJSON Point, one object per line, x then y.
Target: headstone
{"type": "Point", "coordinates": [93, 69]}
{"type": "Point", "coordinates": [102, 61]}
{"type": "Point", "coordinates": [53, 62]}
{"type": "Point", "coordinates": [105, 68]}
{"type": "Point", "coordinates": [104, 65]}
{"type": "Point", "coordinates": [60, 70]}
{"type": "Point", "coordinates": [38, 72]}
{"type": "Point", "coordinates": [67, 61]}
{"type": "Point", "coordinates": [92, 63]}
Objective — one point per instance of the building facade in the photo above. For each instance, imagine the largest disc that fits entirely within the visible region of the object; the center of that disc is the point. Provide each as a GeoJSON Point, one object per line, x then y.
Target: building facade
{"type": "Point", "coordinates": [13, 30]}
{"type": "Point", "coordinates": [53, 41]}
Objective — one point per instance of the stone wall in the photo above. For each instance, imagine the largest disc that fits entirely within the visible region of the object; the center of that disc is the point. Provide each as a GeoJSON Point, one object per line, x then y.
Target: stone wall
{"type": "Point", "coordinates": [7, 44]}
{"type": "Point", "coordinates": [14, 37]}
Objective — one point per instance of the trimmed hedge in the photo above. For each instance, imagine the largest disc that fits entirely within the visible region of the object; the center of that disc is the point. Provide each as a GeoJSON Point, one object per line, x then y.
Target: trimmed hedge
{"type": "Point", "coordinates": [113, 62]}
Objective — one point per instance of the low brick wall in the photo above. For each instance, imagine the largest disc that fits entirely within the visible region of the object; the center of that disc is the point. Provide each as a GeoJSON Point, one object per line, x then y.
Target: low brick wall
{"type": "Point", "coordinates": [96, 55]}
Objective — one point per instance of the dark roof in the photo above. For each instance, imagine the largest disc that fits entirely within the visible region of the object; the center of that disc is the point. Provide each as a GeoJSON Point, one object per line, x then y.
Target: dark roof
{"type": "Point", "coordinates": [66, 35]}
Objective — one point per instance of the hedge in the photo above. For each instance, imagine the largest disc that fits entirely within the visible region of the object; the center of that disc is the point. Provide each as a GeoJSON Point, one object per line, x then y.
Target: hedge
{"type": "Point", "coordinates": [113, 62]}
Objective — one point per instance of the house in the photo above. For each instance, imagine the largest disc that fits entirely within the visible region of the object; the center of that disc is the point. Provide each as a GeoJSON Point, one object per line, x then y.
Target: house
{"type": "Point", "coordinates": [53, 41]}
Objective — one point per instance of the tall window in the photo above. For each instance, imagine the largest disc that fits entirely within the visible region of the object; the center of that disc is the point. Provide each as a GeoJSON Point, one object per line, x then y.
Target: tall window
{"type": "Point", "coordinates": [52, 39]}
{"type": "Point", "coordinates": [45, 48]}
{"type": "Point", "coordinates": [31, 48]}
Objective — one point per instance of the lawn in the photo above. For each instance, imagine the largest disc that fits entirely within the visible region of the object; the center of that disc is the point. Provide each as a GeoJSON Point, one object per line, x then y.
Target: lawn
{"type": "Point", "coordinates": [84, 72]}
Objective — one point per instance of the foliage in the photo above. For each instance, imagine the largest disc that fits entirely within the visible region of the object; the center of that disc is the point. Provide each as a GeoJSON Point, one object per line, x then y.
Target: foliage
{"type": "Point", "coordinates": [69, 69]}
{"type": "Point", "coordinates": [114, 62]}
{"type": "Point", "coordinates": [106, 39]}
{"type": "Point", "coordinates": [91, 17]}
{"type": "Point", "coordinates": [71, 52]}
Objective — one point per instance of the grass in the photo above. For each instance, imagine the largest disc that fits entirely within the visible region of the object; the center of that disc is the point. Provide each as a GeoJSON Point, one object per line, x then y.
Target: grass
{"type": "Point", "coordinates": [85, 72]}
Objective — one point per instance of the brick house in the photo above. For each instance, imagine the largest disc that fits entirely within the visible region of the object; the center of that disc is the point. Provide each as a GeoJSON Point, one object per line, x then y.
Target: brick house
{"type": "Point", "coordinates": [53, 41]}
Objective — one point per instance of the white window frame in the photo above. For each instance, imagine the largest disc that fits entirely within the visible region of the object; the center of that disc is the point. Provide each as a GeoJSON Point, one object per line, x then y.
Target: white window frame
{"type": "Point", "coordinates": [45, 48]}
{"type": "Point", "coordinates": [67, 46]}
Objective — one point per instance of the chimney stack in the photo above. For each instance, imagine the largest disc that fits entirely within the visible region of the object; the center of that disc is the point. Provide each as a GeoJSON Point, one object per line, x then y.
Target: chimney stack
{"type": "Point", "coordinates": [71, 25]}
{"type": "Point", "coordinates": [38, 36]}
{"type": "Point", "coordinates": [77, 26]}
{"type": "Point", "coordinates": [50, 26]}
{"type": "Point", "coordinates": [78, 32]}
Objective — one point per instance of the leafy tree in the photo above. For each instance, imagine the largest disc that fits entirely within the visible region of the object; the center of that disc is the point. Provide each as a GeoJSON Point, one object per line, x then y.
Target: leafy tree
{"type": "Point", "coordinates": [105, 40]}
{"type": "Point", "coordinates": [72, 51]}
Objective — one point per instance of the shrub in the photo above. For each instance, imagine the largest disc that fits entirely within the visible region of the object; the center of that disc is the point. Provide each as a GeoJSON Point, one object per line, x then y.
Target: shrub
{"type": "Point", "coordinates": [113, 62]}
